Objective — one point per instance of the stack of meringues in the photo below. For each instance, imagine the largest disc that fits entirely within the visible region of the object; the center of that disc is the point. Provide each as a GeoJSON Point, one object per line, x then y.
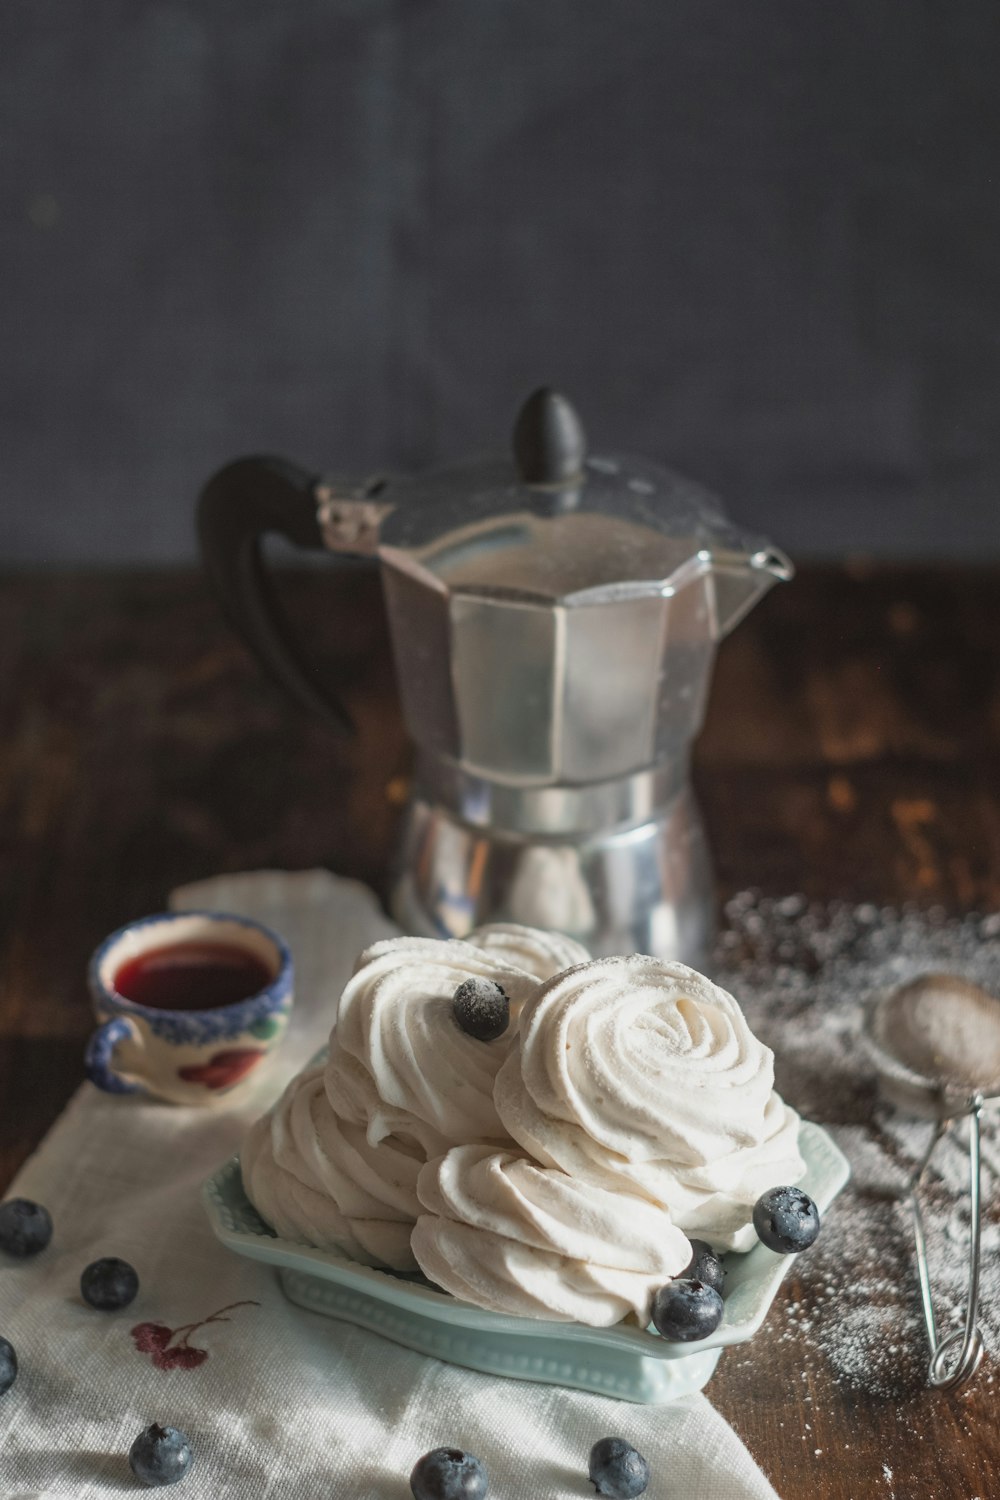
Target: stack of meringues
{"type": "Point", "coordinates": [555, 1172]}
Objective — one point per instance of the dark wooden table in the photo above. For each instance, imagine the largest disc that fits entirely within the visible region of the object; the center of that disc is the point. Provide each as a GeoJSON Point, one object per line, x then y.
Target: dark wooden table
{"type": "Point", "coordinates": [852, 749]}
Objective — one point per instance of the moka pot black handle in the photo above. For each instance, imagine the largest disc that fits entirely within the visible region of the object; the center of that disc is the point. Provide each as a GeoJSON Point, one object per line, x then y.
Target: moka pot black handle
{"type": "Point", "coordinates": [243, 502]}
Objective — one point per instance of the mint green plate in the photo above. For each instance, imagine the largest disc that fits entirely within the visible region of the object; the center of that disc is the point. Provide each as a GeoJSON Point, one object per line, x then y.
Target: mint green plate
{"type": "Point", "coordinates": [622, 1361]}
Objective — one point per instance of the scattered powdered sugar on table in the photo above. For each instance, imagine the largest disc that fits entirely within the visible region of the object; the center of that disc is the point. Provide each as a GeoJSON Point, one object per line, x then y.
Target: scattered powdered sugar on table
{"type": "Point", "coordinates": [805, 975]}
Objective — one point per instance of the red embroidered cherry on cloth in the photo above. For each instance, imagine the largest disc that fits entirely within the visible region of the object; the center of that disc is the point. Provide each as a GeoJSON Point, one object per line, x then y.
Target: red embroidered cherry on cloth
{"type": "Point", "coordinates": [171, 1348]}
{"type": "Point", "coordinates": [274, 1400]}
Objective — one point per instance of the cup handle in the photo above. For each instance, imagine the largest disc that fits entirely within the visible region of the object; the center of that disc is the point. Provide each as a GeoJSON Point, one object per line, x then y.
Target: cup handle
{"type": "Point", "coordinates": [99, 1057]}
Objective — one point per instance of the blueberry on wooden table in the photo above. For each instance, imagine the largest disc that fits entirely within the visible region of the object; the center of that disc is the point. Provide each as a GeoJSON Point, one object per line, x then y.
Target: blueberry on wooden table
{"type": "Point", "coordinates": [617, 1469]}
{"type": "Point", "coordinates": [25, 1227]}
{"type": "Point", "coordinates": [109, 1284]}
{"type": "Point", "coordinates": [786, 1220]}
{"type": "Point", "coordinates": [448, 1474]}
{"type": "Point", "coordinates": [684, 1311]}
{"type": "Point", "coordinates": [160, 1455]}
{"type": "Point", "coordinates": [8, 1366]}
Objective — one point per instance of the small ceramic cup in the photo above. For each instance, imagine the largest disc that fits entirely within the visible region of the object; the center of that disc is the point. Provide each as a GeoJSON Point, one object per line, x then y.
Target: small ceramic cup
{"type": "Point", "coordinates": [185, 1056]}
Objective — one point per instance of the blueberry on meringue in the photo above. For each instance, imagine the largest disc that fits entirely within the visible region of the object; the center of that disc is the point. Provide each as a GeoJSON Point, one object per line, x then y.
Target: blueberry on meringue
{"type": "Point", "coordinates": [481, 1008]}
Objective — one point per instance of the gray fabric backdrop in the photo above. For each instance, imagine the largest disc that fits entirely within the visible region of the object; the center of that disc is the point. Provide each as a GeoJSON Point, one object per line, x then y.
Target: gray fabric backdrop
{"type": "Point", "coordinates": [760, 241]}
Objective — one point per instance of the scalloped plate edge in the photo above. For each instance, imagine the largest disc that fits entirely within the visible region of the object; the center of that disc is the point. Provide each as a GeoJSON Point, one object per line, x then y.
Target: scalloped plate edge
{"type": "Point", "coordinates": [754, 1277]}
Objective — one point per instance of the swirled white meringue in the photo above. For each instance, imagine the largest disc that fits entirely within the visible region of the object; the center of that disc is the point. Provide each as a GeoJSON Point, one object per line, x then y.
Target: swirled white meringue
{"type": "Point", "coordinates": [401, 1062]}
{"type": "Point", "coordinates": [507, 1234]}
{"type": "Point", "coordinates": [316, 1178]}
{"type": "Point", "coordinates": [642, 1074]}
{"type": "Point", "coordinates": [540, 953]}
{"type": "Point", "coordinates": [335, 1162]}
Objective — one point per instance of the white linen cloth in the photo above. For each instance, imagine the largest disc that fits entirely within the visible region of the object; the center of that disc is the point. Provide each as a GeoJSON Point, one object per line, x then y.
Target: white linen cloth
{"type": "Point", "coordinates": [286, 1402]}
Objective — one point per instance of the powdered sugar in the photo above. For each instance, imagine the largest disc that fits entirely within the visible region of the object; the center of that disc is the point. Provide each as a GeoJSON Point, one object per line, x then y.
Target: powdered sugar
{"type": "Point", "coordinates": [805, 975]}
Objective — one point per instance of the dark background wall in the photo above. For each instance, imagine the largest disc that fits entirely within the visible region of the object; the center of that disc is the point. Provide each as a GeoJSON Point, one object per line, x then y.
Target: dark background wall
{"type": "Point", "coordinates": [759, 241]}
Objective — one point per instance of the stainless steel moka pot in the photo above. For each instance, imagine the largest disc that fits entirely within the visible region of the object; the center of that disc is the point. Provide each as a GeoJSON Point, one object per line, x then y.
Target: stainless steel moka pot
{"type": "Point", "coordinates": [554, 617]}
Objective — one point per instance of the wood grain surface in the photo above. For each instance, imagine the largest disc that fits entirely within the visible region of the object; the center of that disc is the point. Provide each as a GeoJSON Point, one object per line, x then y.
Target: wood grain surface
{"type": "Point", "coordinates": [851, 750]}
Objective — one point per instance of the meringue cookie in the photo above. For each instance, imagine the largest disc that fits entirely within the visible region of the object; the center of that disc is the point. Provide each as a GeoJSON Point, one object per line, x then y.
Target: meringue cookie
{"type": "Point", "coordinates": [540, 953]}
{"type": "Point", "coordinates": [642, 1074]}
{"type": "Point", "coordinates": [353, 1095]}
{"type": "Point", "coordinates": [401, 1062]}
{"type": "Point", "coordinates": [506, 1234]}
{"type": "Point", "coordinates": [335, 1162]}
{"type": "Point", "coordinates": [316, 1178]}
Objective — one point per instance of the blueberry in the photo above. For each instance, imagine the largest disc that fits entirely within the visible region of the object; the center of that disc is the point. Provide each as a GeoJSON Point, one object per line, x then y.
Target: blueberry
{"type": "Point", "coordinates": [160, 1455]}
{"type": "Point", "coordinates": [25, 1227]}
{"type": "Point", "coordinates": [786, 1219]}
{"type": "Point", "coordinates": [109, 1283]}
{"type": "Point", "coordinates": [448, 1474]}
{"type": "Point", "coordinates": [481, 1007]}
{"type": "Point", "coordinates": [686, 1310]}
{"type": "Point", "coordinates": [705, 1266]}
{"type": "Point", "coordinates": [8, 1366]}
{"type": "Point", "coordinates": [616, 1469]}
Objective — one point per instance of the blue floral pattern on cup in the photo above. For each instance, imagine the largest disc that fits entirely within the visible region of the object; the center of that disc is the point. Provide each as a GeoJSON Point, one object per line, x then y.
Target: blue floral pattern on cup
{"type": "Point", "coordinates": [172, 1054]}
